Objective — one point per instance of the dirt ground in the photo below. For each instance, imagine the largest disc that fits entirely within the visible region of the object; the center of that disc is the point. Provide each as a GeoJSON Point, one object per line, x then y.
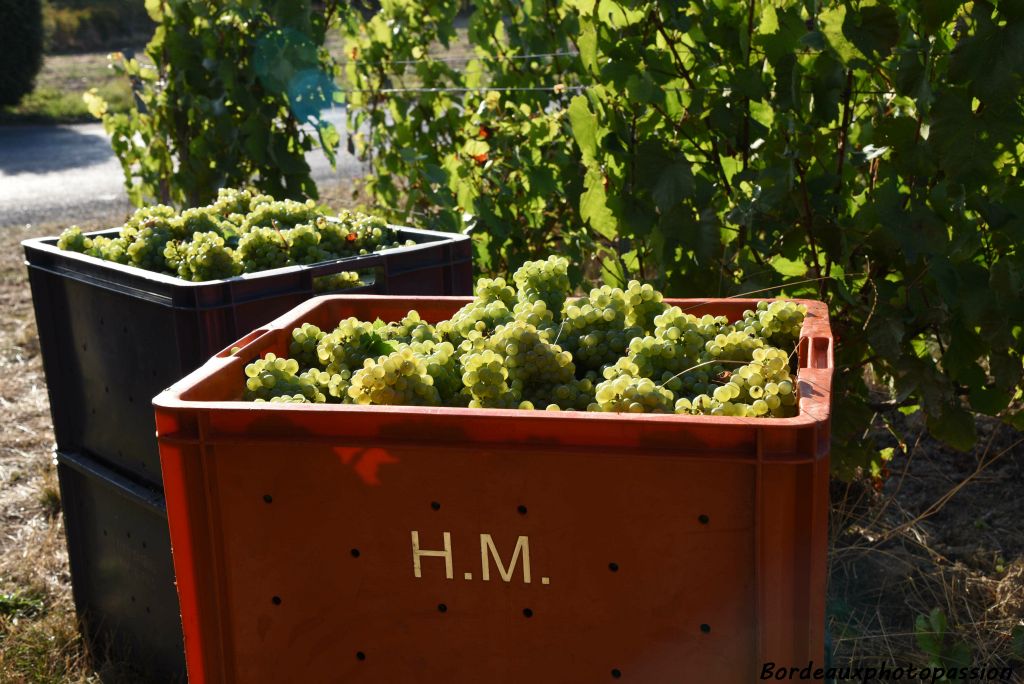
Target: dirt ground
{"type": "Point", "coordinates": [943, 532]}
{"type": "Point", "coordinates": [38, 636]}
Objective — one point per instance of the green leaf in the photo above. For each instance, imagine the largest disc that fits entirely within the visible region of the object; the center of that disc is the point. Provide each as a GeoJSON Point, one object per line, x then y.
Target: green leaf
{"type": "Point", "coordinates": [1017, 638]}
{"type": "Point", "coordinates": [832, 21]}
{"type": "Point", "coordinates": [959, 655]}
{"type": "Point", "coordinates": [874, 29]}
{"type": "Point", "coordinates": [584, 127]}
{"type": "Point", "coordinates": [329, 140]}
{"type": "Point", "coordinates": [936, 13]}
{"type": "Point", "coordinates": [788, 267]}
{"type": "Point", "coordinates": [827, 87]}
{"type": "Point", "coordinates": [594, 205]}
{"type": "Point", "coordinates": [929, 638]}
{"type": "Point", "coordinates": [155, 9]}
{"type": "Point", "coordinates": [618, 15]}
{"type": "Point", "coordinates": [378, 346]}
{"type": "Point", "coordinates": [613, 272]}
{"type": "Point", "coordinates": [954, 426]}
{"type": "Point", "coordinates": [989, 400]}
{"type": "Point", "coordinates": [877, 464]}
{"type": "Point", "coordinates": [587, 43]}
{"type": "Point", "coordinates": [674, 184]}
{"type": "Point", "coordinates": [473, 148]}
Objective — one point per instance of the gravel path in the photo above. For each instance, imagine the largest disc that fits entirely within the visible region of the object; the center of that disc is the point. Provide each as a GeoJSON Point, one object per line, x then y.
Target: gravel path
{"type": "Point", "coordinates": [69, 173]}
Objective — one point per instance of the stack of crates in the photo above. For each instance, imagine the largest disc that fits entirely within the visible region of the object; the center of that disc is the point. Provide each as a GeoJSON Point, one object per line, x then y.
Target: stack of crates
{"type": "Point", "coordinates": [112, 337]}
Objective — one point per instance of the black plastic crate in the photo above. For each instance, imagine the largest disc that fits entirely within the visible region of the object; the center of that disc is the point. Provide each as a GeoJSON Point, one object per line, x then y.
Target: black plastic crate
{"type": "Point", "coordinates": [114, 336]}
{"type": "Point", "coordinates": [121, 571]}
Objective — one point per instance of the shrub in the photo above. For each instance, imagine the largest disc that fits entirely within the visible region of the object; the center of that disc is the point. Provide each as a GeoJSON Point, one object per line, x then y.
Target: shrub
{"type": "Point", "coordinates": [865, 154]}
{"type": "Point", "coordinates": [21, 48]}
{"type": "Point", "coordinates": [225, 104]}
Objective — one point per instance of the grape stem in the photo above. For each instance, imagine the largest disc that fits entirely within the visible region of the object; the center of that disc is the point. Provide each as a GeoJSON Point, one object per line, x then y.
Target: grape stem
{"type": "Point", "coordinates": [705, 363]}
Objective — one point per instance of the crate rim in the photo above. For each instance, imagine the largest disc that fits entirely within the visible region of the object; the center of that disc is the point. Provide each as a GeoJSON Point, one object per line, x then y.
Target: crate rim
{"type": "Point", "coordinates": [48, 245]}
{"type": "Point", "coordinates": [812, 410]}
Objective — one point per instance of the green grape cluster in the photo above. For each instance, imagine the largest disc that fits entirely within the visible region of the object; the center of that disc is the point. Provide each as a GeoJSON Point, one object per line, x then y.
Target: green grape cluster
{"type": "Point", "coordinates": [778, 322]}
{"type": "Point", "coordinates": [334, 386]}
{"type": "Point", "coordinates": [538, 315]}
{"type": "Point", "coordinates": [205, 257]}
{"type": "Point", "coordinates": [398, 378]}
{"type": "Point", "coordinates": [675, 324]}
{"type": "Point", "coordinates": [485, 378]}
{"type": "Point", "coordinates": [233, 202]}
{"type": "Point", "coordinates": [303, 345]}
{"type": "Point", "coordinates": [477, 317]}
{"type": "Point", "coordinates": [147, 235]}
{"type": "Point", "coordinates": [202, 220]}
{"type": "Point", "coordinates": [276, 379]}
{"type": "Point", "coordinates": [261, 249]}
{"type": "Point", "coordinates": [594, 328]}
{"type": "Point", "coordinates": [613, 350]}
{"type": "Point", "coordinates": [627, 394]}
{"type": "Point", "coordinates": [644, 304]}
{"type": "Point", "coordinates": [575, 395]}
{"type": "Point", "coordinates": [74, 240]}
{"type": "Point", "coordinates": [411, 328]}
{"type": "Point", "coordinates": [535, 366]}
{"type": "Point", "coordinates": [157, 213]}
{"type": "Point", "coordinates": [761, 387]}
{"type": "Point", "coordinates": [101, 246]}
{"type": "Point", "coordinates": [109, 249]}
{"type": "Point", "coordinates": [255, 231]}
{"type": "Point", "coordinates": [279, 214]}
{"type": "Point", "coordinates": [343, 280]}
{"type": "Point", "coordinates": [443, 366]}
{"type": "Point", "coordinates": [489, 290]}
{"type": "Point", "coordinates": [654, 358]}
{"type": "Point", "coordinates": [348, 346]}
{"type": "Point", "coordinates": [304, 245]}
{"type": "Point", "coordinates": [546, 281]}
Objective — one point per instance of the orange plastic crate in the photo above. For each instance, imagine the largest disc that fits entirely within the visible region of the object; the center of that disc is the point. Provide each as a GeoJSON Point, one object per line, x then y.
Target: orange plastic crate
{"type": "Point", "coordinates": [400, 544]}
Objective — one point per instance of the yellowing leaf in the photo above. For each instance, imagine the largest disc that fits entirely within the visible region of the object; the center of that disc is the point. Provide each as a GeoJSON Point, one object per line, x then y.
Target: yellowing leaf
{"type": "Point", "coordinates": [155, 9]}
{"type": "Point", "coordinates": [96, 105]}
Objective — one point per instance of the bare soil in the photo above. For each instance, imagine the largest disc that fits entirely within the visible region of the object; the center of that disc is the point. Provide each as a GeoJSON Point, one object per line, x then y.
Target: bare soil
{"type": "Point", "coordinates": [943, 531]}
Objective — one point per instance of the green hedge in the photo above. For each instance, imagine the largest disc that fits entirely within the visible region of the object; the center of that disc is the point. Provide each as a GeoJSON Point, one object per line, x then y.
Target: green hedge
{"type": "Point", "coordinates": [21, 54]}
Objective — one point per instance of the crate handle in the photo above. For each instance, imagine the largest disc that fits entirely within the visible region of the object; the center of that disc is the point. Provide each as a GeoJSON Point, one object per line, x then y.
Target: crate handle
{"type": "Point", "coordinates": [236, 348]}
{"type": "Point", "coordinates": [374, 263]}
{"type": "Point", "coordinates": [364, 262]}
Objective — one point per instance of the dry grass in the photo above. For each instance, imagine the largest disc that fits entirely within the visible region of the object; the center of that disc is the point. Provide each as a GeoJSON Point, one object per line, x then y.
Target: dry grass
{"type": "Point", "coordinates": [944, 532]}
{"type": "Point", "coordinates": [38, 635]}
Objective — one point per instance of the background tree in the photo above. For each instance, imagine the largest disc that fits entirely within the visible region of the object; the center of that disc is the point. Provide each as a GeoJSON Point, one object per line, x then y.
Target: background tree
{"type": "Point", "coordinates": [21, 54]}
